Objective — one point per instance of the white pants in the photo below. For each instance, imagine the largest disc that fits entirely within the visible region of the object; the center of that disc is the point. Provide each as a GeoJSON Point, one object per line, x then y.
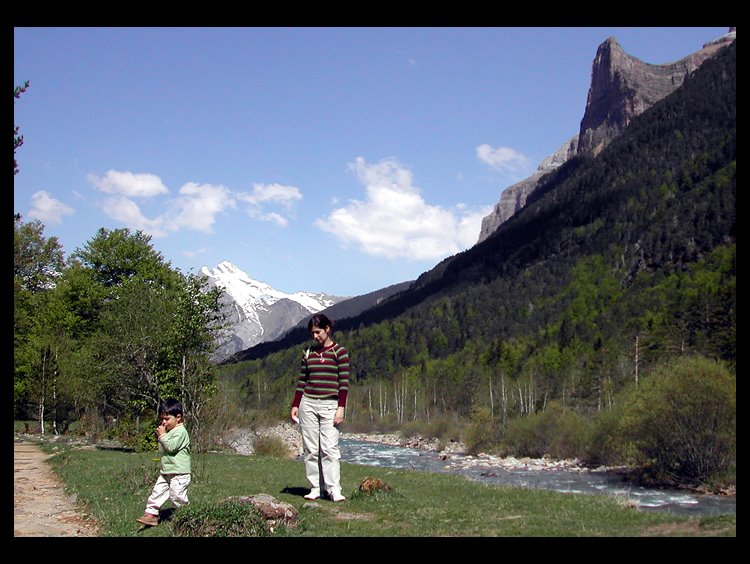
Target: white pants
{"type": "Point", "coordinates": [320, 439]}
{"type": "Point", "coordinates": [168, 486]}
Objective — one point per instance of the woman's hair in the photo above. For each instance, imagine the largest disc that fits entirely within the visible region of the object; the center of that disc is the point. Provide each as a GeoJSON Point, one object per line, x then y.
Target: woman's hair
{"type": "Point", "coordinates": [319, 320]}
{"type": "Point", "coordinates": [170, 406]}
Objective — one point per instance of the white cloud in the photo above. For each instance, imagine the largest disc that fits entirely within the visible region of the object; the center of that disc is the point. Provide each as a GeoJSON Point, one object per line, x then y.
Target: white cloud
{"type": "Point", "coordinates": [396, 222]}
{"type": "Point", "coordinates": [129, 184]}
{"type": "Point", "coordinates": [47, 209]}
{"type": "Point", "coordinates": [503, 159]}
{"type": "Point", "coordinates": [275, 193]}
{"type": "Point", "coordinates": [127, 212]}
{"type": "Point", "coordinates": [270, 194]}
{"type": "Point", "coordinates": [195, 253]}
{"type": "Point", "coordinates": [470, 225]}
{"type": "Point", "coordinates": [275, 217]}
{"type": "Point", "coordinates": [197, 207]}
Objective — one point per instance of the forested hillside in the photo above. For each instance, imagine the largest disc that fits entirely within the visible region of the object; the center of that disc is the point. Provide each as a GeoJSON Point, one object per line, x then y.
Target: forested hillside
{"type": "Point", "coordinates": [616, 262]}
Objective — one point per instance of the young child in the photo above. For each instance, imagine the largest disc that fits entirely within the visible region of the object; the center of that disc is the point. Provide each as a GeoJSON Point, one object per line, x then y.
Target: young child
{"type": "Point", "coordinates": [174, 444]}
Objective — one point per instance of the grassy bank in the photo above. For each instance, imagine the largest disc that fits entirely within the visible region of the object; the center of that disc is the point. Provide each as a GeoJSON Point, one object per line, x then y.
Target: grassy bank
{"type": "Point", "coordinates": [114, 485]}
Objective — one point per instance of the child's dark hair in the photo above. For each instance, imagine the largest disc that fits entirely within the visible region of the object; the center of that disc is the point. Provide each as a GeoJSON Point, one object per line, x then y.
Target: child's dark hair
{"type": "Point", "coordinates": [170, 406]}
{"type": "Point", "coordinates": [319, 320]}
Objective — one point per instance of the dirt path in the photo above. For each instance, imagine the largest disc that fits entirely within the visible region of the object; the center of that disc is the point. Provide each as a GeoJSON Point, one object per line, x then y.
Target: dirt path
{"type": "Point", "coordinates": [41, 508]}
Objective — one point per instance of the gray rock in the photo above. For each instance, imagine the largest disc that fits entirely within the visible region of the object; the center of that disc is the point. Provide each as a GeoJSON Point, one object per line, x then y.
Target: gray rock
{"type": "Point", "coordinates": [274, 511]}
{"type": "Point", "coordinates": [241, 439]}
{"type": "Point", "coordinates": [623, 86]}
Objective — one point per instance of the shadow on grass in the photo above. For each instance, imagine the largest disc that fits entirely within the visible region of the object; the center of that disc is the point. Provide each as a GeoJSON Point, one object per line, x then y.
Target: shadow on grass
{"type": "Point", "coordinates": [167, 514]}
{"type": "Point", "coordinates": [296, 491]}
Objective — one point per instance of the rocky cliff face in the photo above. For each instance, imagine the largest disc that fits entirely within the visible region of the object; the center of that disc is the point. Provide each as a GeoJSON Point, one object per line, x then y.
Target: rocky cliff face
{"type": "Point", "coordinates": [514, 197]}
{"type": "Point", "coordinates": [623, 87]}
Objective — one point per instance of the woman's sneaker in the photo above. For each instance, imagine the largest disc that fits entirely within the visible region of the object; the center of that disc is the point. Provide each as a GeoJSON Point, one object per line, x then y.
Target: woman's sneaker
{"type": "Point", "coordinates": [336, 496]}
{"type": "Point", "coordinates": [314, 494]}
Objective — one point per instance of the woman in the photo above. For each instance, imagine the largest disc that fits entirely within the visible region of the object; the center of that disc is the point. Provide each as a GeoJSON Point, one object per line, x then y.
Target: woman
{"type": "Point", "coordinates": [319, 404]}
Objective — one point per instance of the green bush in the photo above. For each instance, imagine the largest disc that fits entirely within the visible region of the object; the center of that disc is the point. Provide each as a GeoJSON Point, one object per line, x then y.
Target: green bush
{"type": "Point", "coordinates": [605, 442]}
{"type": "Point", "coordinates": [220, 519]}
{"type": "Point", "coordinates": [682, 421]}
{"type": "Point", "coordinates": [443, 428]}
{"type": "Point", "coordinates": [555, 431]}
{"type": "Point", "coordinates": [270, 445]}
{"type": "Point", "coordinates": [482, 434]}
{"type": "Point", "coordinates": [30, 426]}
{"type": "Point", "coordinates": [147, 441]}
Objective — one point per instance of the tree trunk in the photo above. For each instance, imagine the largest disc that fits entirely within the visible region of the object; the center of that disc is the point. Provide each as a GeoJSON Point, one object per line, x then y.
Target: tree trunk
{"type": "Point", "coordinates": [503, 399]}
{"type": "Point", "coordinates": [54, 403]}
{"type": "Point", "coordinates": [637, 358]}
{"type": "Point", "coordinates": [492, 403]}
{"type": "Point", "coordinates": [43, 391]}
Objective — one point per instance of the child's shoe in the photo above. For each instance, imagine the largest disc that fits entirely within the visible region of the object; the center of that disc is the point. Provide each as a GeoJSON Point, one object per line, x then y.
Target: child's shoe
{"type": "Point", "coordinates": [149, 520]}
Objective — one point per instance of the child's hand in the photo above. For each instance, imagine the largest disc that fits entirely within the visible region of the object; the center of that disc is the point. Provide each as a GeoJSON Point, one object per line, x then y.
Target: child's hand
{"type": "Point", "coordinates": [160, 429]}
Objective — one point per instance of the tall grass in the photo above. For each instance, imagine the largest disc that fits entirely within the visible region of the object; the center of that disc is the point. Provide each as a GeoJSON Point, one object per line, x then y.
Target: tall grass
{"type": "Point", "coordinates": [271, 445]}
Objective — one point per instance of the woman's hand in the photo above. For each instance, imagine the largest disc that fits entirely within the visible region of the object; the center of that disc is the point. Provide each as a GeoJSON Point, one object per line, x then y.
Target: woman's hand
{"type": "Point", "coordinates": [295, 414]}
{"type": "Point", "coordinates": [338, 419]}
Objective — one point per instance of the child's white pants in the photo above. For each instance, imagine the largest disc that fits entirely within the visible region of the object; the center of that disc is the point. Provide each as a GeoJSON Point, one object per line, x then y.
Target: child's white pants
{"type": "Point", "coordinates": [168, 486]}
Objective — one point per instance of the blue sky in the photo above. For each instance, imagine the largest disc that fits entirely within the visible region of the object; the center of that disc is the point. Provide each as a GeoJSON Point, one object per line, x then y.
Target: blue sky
{"type": "Point", "coordinates": [332, 159]}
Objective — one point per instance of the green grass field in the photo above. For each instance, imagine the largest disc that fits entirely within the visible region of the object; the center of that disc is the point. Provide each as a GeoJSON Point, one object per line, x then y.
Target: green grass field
{"type": "Point", "coordinates": [114, 487]}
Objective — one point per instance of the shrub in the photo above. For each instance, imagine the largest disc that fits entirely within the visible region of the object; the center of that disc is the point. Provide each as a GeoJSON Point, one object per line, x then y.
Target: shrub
{"type": "Point", "coordinates": [482, 434]}
{"type": "Point", "coordinates": [554, 431]}
{"type": "Point", "coordinates": [221, 519]}
{"type": "Point", "coordinates": [270, 445]}
{"type": "Point", "coordinates": [605, 442]}
{"type": "Point", "coordinates": [682, 422]}
{"type": "Point", "coordinates": [147, 441]}
{"type": "Point", "coordinates": [444, 428]}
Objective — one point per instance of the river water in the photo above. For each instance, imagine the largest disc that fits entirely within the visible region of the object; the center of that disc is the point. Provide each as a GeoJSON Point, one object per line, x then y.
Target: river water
{"type": "Point", "coordinates": [561, 480]}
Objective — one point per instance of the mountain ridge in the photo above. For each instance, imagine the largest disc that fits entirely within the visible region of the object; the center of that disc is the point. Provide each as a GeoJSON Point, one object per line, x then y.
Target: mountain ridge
{"type": "Point", "coordinates": [572, 207]}
{"type": "Point", "coordinates": [255, 311]}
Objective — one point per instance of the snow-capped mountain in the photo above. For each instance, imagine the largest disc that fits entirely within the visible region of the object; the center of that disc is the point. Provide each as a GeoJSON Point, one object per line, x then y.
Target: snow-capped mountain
{"type": "Point", "coordinates": [256, 312]}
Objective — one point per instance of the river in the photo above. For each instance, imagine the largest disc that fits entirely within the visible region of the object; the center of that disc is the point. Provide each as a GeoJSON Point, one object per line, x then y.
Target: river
{"type": "Point", "coordinates": [561, 480]}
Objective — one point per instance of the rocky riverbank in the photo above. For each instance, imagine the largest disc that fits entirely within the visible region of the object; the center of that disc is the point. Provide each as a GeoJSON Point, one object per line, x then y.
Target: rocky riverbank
{"type": "Point", "coordinates": [454, 452]}
{"type": "Point", "coordinates": [456, 457]}
{"type": "Point", "coordinates": [242, 439]}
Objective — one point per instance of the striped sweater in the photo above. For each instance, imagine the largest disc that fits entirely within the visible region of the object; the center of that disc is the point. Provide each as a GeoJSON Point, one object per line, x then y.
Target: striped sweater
{"type": "Point", "coordinates": [324, 374]}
